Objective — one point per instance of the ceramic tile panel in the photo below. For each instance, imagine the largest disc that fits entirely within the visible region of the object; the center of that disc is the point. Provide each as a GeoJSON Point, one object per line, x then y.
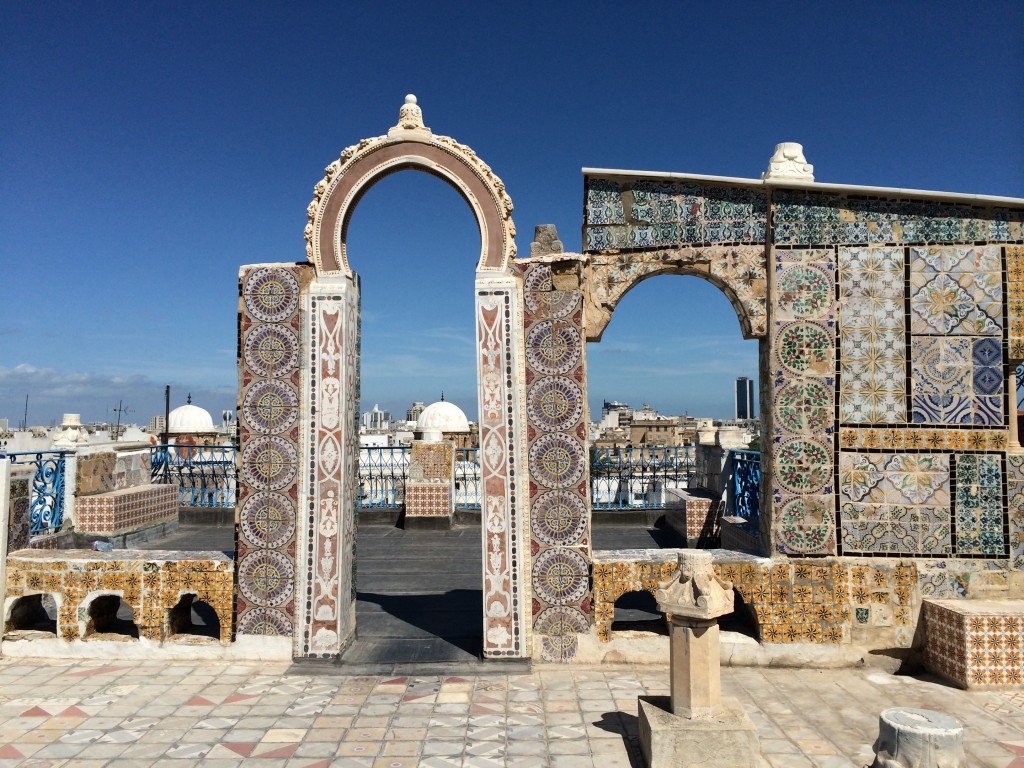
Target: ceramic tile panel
{"type": "Point", "coordinates": [975, 644]}
{"type": "Point", "coordinates": [1015, 507]}
{"type": "Point", "coordinates": [872, 342]}
{"type": "Point", "coordinates": [1015, 302]}
{"type": "Point", "coordinates": [499, 323]}
{"type": "Point", "coordinates": [802, 361]}
{"type": "Point", "coordinates": [924, 438]}
{"type": "Point", "coordinates": [896, 504]}
{"type": "Point", "coordinates": [269, 360]}
{"type": "Point", "coordinates": [957, 380]}
{"type": "Point", "coordinates": [641, 214]}
{"type": "Point", "coordinates": [94, 473]}
{"type": "Point", "coordinates": [813, 218]}
{"type": "Point", "coordinates": [980, 506]}
{"type": "Point", "coordinates": [558, 463]}
{"type": "Point", "coordinates": [956, 290]}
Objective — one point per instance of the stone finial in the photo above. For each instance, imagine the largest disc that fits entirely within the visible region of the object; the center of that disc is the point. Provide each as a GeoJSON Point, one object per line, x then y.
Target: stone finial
{"type": "Point", "coordinates": [410, 116]}
{"type": "Point", "coordinates": [698, 593]}
{"type": "Point", "coordinates": [72, 433]}
{"type": "Point", "coordinates": [545, 240]}
{"type": "Point", "coordinates": [789, 162]}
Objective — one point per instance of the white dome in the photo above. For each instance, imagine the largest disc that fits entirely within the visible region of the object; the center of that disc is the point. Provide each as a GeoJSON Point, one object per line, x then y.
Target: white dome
{"type": "Point", "coordinates": [442, 417]}
{"type": "Point", "coordinates": [189, 419]}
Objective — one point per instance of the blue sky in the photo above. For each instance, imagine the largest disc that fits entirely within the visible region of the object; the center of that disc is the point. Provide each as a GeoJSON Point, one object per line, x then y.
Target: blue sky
{"type": "Point", "coordinates": [149, 149]}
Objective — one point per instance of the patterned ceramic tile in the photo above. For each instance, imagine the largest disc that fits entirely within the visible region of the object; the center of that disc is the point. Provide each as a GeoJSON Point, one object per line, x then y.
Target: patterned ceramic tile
{"type": "Point", "coordinates": [956, 380]}
{"type": "Point", "coordinates": [979, 506]}
{"type": "Point", "coordinates": [956, 290]}
{"type": "Point", "coordinates": [975, 645]}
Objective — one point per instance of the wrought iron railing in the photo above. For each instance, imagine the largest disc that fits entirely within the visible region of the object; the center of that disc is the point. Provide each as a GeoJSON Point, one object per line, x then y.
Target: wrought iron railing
{"type": "Point", "coordinates": [206, 474]}
{"type": "Point", "coordinates": [46, 490]}
{"type": "Point", "coordinates": [382, 473]}
{"type": "Point", "coordinates": [745, 493]}
{"type": "Point", "coordinates": [467, 478]}
{"type": "Point", "coordinates": [638, 477]}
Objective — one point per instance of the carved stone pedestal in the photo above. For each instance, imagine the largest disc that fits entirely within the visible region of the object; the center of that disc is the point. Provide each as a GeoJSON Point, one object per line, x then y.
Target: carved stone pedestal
{"type": "Point", "coordinates": [918, 738]}
{"type": "Point", "coordinates": [696, 727]}
{"type": "Point", "coordinates": [726, 740]}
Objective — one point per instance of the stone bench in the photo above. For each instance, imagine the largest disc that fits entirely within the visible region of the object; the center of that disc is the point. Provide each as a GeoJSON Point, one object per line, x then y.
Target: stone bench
{"type": "Point", "coordinates": [126, 510]}
{"type": "Point", "coordinates": [975, 643]}
{"type": "Point", "coordinates": [152, 583]}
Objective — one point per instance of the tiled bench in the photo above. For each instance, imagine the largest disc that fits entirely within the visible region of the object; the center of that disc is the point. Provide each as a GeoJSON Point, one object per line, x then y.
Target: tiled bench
{"type": "Point", "coordinates": [151, 582]}
{"type": "Point", "coordinates": [975, 642]}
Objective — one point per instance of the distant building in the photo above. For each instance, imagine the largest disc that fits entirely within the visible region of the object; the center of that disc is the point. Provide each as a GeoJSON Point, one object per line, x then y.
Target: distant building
{"type": "Point", "coordinates": [156, 426]}
{"type": "Point", "coordinates": [376, 419]}
{"type": "Point", "coordinates": [745, 398]}
{"type": "Point", "coordinates": [414, 411]}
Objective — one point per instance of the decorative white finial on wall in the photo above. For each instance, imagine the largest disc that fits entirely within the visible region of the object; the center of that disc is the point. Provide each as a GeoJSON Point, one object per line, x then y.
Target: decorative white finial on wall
{"type": "Point", "coordinates": [410, 115]}
{"type": "Point", "coordinates": [789, 163]}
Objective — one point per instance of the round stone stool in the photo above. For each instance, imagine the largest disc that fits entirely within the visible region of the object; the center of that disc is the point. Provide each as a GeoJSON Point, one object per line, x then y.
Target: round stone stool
{"type": "Point", "coordinates": [918, 738]}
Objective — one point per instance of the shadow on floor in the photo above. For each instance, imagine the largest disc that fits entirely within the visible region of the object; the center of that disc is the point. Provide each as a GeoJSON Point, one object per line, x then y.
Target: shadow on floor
{"type": "Point", "coordinates": [628, 727]}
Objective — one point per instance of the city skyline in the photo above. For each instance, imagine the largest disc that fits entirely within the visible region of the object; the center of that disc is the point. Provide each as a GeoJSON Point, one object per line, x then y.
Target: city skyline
{"type": "Point", "coordinates": [151, 150]}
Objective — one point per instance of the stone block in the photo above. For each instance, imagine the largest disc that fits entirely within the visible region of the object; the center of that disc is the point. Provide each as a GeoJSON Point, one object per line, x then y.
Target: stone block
{"type": "Point", "coordinates": [975, 642]}
{"type": "Point", "coordinates": [918, 738]}
{"type": "Point", "coordinates": [728, 740]}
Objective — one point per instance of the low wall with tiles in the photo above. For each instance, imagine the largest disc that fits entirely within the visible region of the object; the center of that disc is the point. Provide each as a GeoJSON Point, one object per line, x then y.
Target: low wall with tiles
{"type": "Point", "coordinates": [429, 487]}
{"type": "Point", "coordinates": [975, 643]}
{"type": "Point", "coordinates": [821, 601]}
{"type": "Point", "coordinates": [151, 582]}
{"type": "Point", "coordinates": [127, 510]}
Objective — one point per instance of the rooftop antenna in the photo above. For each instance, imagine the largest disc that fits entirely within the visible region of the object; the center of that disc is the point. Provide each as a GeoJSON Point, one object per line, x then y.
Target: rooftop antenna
{"type": "Point", "coordinates": [121, 409]}
{"type": "Point", "coordinates": [24, 421]}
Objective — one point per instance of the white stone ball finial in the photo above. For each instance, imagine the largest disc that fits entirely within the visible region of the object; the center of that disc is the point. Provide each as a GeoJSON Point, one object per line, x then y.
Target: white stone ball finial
{"type": "Point", "coordinates": [410, 116]}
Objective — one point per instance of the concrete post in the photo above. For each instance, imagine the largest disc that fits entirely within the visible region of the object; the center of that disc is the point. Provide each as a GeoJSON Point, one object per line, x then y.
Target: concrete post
{"type": "Point", "coordinates": [695, 667]}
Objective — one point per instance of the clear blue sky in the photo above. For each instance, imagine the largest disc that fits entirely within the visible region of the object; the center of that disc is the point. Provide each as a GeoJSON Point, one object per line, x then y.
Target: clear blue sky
{"type": "Point", "coordinates": [149, 149]}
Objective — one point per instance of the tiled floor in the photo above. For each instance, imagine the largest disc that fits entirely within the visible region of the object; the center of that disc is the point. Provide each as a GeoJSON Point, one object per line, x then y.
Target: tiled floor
{"type": "Point", "coordinates": [87, 713]}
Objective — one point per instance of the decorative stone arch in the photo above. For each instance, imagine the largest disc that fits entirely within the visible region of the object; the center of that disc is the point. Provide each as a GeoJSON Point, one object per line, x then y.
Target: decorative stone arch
{"type": "Point", "coordinates": [740, 272]}
{"type": "Point", "coordinates": [297, 501]}
{"type": "Point", "coordinates": [409, 144]}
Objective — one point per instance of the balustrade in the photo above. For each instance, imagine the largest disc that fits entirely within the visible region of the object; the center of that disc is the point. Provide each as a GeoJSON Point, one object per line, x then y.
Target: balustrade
{"type": "Point", "coordinates": [206, 474]}
{"type": "Point", "coordinates": [638, 477]}
{"type": "Point", "coordinates": [745, 499]}
{"type": "Point", "coordinates": [46, 489]}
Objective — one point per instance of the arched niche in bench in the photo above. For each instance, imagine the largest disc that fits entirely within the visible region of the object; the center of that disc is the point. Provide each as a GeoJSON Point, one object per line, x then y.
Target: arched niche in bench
{"type": "Point", "coordinates": [31, 616]}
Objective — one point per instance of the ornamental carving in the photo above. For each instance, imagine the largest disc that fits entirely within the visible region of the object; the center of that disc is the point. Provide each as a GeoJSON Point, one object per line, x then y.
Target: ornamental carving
{"type": "Point", "coordinates": [409, 144]}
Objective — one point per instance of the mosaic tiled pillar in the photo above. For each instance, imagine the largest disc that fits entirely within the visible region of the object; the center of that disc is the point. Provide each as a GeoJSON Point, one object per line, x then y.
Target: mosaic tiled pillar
{"type": "Point", "coordinates": [269, 434]}
{"type": "Point", "coordinates": [504, 532]}
{"type": "Point", "coordinates": [325, 614]}
{"type": "Point", "coordinates": [558, 462]}
{"type": "Point", "coordinates": [802, 364]}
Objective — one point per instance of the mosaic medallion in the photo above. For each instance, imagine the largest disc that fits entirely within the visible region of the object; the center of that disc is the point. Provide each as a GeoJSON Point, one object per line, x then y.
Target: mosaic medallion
{"type": "Point", "coordinates": [806, 510]}
{"type": "Point", "coordinates": [271, 295]}
{"type": "Point", "coordinates": [556, 461]}
{"type": "Point", "coordinates": [553, 347]}
{"type": "Point", "coordinates": [805, 348]}
{"type": "Point", "coordinates": [271, 350]}
{"type": "Point", "coordinates": [560, 576]}
{"type": "Point", "coordinates": [559, 518]}
{"type": "Point", "coordinates": [267, 519]}
{"type": "Point", "coordinates": [264, 621]}
{"type": "Point", "coordinates": [555, 404]}
{"type": "Point", "coordinates": [559, 629]}
{"type": "Point", "coordinates": [803, 466]}
{"type": "Point", "coordinates": [266, 577]}
{"type": "Point", "coordinates": [270, 406]}
{"type": "Point", "coordinates": [804, 405]}
{"type": "Point", "coordinates": [268, 463]}
{"type": "Point", "coordinates": [542, 300]}
{"type": "Point", "coordinates": [804, 291]}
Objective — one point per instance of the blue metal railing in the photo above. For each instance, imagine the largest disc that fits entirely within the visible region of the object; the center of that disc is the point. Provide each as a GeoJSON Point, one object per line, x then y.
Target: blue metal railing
{"type": "Point", "coordinates": [205, 474]}
{"type": "Point", "coordinates": [46, 490]}
{"type": "Point", "coordinates": [637, 477]}
{"type": "Point", "coordinates": [745, 494]}
{"type": "Point", "coordinates": [382, 473]}
{"type": "Point", "coordinates": [467, 478]}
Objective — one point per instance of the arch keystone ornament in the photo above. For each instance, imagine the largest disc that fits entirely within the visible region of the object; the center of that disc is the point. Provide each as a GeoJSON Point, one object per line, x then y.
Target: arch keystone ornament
{"type": "Point", "coordinates": [408, 144]}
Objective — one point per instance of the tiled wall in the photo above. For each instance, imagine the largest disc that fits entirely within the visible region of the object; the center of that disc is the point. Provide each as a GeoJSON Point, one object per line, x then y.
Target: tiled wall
{"type": "Point", "coordinates": [268, 360]}
{"type": "Point", "coordinates": [975, 644]}
{"type": "Point", "coordinates": [559, 463]}
{"type": "Point", "coordinates": [656, 214]}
